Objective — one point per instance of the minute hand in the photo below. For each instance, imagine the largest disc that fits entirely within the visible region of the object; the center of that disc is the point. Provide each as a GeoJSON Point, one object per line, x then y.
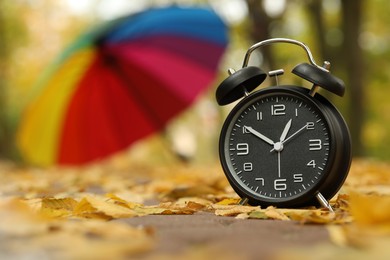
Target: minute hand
{"type": "Point", "coordinates": [294, 134]}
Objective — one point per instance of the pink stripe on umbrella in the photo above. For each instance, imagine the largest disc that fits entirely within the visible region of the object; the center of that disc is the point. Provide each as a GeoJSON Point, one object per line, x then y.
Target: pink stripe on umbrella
{"type": "Point", "coordinates": [174, 70]}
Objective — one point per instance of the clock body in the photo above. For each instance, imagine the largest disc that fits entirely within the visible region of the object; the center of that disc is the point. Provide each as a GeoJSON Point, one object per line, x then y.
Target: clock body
{"type": "Point", "coordinates": [280, 146]}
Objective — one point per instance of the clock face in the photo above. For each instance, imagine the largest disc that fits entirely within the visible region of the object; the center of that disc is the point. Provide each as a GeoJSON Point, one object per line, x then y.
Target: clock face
{"type": "Point", "coordinates": [275, 147]}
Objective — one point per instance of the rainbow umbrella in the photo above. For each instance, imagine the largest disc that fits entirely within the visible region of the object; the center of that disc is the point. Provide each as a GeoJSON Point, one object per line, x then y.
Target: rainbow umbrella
{"type": "Point", "coordinates": [120, 83]}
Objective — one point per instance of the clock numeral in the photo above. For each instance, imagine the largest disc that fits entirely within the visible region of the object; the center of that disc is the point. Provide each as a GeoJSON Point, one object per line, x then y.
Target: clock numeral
{"type": "Point", "coordinates": [261, 180]}
{"type": "Point", "coordinates": [310, 126]}
{"type": "Point", "coordinates": [242, 149]}
{"type": "Point", "coordinates": [278, 110]}
{"type": "Point", "coordinates": [248, 167]}
{"type": "Point", "coordinates": [298, 177]}
{"type": "Point", "coordinates": [280, 184]}
{"type": "Point", "coordinates": [312, 163]}
{"type": "Point", "coordinates": [259, 116]}
{"type": "Point", "coordinates": [245, 130]}
{"type": "Point", "coordinates": [315, 144]}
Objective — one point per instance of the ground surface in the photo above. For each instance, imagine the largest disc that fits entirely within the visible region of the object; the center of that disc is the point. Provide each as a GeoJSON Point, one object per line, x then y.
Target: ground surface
{"type": "Point", "coordinates": [250, 238]}
{"type": "Point", "coordinates": [113, 210]}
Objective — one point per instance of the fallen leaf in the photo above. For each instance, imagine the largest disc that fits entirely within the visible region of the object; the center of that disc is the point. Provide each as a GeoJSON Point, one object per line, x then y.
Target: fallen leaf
{"type": "Point", "coordinates": [93, 207]}
{"type": "Point", "coordinates": [268, 213]}
{"type": "Point", "coordinates": [312, 216]}
{"type": "Point", "coordinates": [257, 214]}
{"type": "Point", "coordinates": [173, 208]}
{"type": "Point", "coordinates": [128, 204]}
{"type": "Point", "coordinates": [194, 203]}
{"type": "Point", "coordinates": [229, 201]}
{"type": "Point", "coordinates": [274, 213]}
{"type": "Point", "coordinates": [232, 210]}
{"type": "Point", "coordinates": [341, 202]}
{"type": "Point", "coordinates": [54, 208]}
{"type": "Point", "coordinates": [370, 210]}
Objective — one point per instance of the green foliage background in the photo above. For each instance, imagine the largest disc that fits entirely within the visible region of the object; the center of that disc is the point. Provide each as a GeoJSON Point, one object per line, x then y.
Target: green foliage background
{"type": "Point", "coordinates": [32, 33]}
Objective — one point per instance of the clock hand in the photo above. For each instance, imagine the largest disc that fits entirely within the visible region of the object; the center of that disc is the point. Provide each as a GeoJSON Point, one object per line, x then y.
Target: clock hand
{"type": "Point", "coordinates": [294, 134]}
{"type": "Point", "coordinates": [291, 136]}
{"type": "Point", "coordinates": [285, 131]}
{"type": "Point", "coordinates": [259, 135]}
{"type": "Point", "coordinates": [279, 174]}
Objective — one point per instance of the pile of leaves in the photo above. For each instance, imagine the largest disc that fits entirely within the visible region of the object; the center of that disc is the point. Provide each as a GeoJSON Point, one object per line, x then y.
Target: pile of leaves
{"type": "Point", "coordinates": [41, 208]}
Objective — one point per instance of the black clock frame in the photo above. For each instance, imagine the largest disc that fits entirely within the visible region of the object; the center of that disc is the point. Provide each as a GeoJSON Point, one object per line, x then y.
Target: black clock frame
{"type": "Point", "coordinates": [339, 160]}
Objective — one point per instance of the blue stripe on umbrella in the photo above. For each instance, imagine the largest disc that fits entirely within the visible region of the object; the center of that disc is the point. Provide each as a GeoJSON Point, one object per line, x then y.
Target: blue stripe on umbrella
{"type": "Point", "coordinates": [144, 24]}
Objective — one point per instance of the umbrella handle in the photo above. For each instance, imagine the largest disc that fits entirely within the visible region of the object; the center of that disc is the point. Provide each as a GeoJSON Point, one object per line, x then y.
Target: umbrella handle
{"type": "Point", "coordinates": [281, 40]}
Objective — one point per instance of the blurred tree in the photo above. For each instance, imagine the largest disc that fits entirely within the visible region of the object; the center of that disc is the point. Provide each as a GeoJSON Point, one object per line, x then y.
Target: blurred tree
{"type": "Point", "coordinates": [260, 24]}
{"type": "Point", "coordinates": [349, 54]}
{"type": "Point", "coordinates": [317, 17]}
{"type": "Point", "coordinates": [7, 148]}
{"type": "Point", "coordinates": [353, 54]}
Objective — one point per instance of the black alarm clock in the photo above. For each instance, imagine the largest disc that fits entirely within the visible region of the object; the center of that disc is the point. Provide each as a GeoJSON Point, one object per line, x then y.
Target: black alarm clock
{"type": "Point", "coordinates": [286, 145]}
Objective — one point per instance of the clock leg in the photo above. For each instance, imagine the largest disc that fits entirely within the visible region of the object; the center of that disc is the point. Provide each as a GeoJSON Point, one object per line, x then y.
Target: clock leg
{"type": "Point", "coordinates": [324, 203]}
{"type": "Point", "coordinates": [243, 201]}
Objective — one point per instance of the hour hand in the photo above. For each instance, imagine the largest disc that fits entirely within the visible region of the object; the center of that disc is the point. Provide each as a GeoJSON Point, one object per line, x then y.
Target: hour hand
{"type": "Point", "coordinates": [259, 135]}
{"type": "Point", "coordinates": [285, 131]}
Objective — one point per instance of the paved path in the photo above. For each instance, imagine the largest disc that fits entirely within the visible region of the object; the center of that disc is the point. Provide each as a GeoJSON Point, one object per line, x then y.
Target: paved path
{"type": "Point", "coordinates": [249, 238]}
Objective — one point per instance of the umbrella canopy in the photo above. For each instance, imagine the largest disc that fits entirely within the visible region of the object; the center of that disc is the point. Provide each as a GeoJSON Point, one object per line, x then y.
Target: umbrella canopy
{"type": "Point", "coordinates": [121, 82]}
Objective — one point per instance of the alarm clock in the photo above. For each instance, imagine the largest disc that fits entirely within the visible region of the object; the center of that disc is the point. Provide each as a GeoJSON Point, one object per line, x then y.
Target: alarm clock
{"type": "Point", "coordinates": [283, 145]}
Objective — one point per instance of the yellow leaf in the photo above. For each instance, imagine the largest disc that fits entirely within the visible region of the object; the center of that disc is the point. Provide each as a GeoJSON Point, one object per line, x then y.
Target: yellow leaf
{"type": "Point", "coordinates": [274, 213]}
{"type": "Point", "coordinates": [342, 202]}
{"type": "Point", "coordinates": [149, 210]}
{"type": "Point", "coordinates": [370, 209]}
{"type": "Point", "coordinates": [229, 201]}
{"type": "Point", "coordinates": [319, 216]}
{"type": "Point", "coordinates": [268, 213]}
{"type": "Point", "coordinates": [64, 203]}
{"type": "Point", "coordinates": [86, 210]}
{"type": "Point", "coordinates": [122, 202]}
{"type": "Point", "coordinates": [235, 210]}
{"type": "Point", "coordinates": [195, 206]}
{"type": "Point", "coordinates": [192, 203]}
{"type": "Point", "coordinates": [177, 209]}
{"type": "Point", "coordinates": [93, 207]}
{"type": "Point", "coordinates": [53, 208]}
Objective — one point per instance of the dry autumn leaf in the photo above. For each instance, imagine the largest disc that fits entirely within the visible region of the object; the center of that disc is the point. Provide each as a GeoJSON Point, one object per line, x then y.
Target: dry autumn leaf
{"type": "Point", "coordinates": [273, 213]}
{"type": "Point", "coordinates": [313, 216]}
{"type": "Point", "coordinates": [93, 207]}
{"type": "Point", "coordinates": [124, 203]}
{"type": "Point", "coordinates": [53, 207]}
{"type": "Point", "coordinates": [229, 201]}
{"type": "Point", "coordinates": [232, 210]}
{"type": "Point", "coordinates": [370, 210]}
